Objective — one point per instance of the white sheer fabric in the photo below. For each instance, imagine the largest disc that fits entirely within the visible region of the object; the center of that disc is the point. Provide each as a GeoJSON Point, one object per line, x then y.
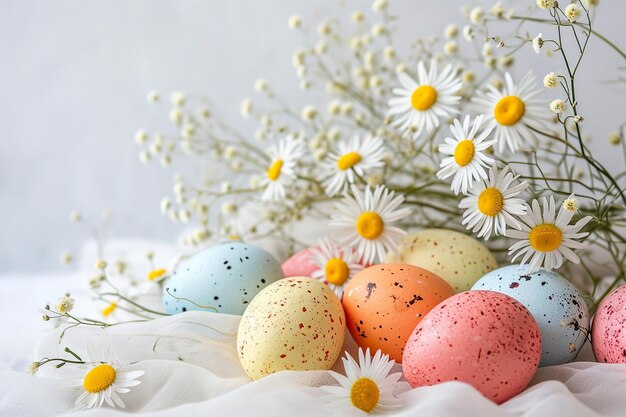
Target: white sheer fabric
{"type": "Point", "coordinates": [191, 368]}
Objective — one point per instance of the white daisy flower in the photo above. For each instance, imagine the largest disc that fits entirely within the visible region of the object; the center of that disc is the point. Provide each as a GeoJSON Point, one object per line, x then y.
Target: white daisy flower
{"type": "Point", "coordinates": [512, 110]}
{"type": "Point", "coordinates": [367, 385]}
{"type": "Point", "coordinates": [468, 159]}
{"type": "Point", "coordinates": [355, 157]}
{"type": "Point", "coordinates": [336, 265]}
{"type": "Point", "coordinates": [281, 170]}
{"type": "Point", "coordinates": [363, 222]}
{"type": "Point", "coordinates": [420, 105]}
{"type": "Point", "coordinates": [491, 206]}
{"type": "Point", "coordinates": [546, 238]}
{"type": "Point", "coordinates": [105, 380]}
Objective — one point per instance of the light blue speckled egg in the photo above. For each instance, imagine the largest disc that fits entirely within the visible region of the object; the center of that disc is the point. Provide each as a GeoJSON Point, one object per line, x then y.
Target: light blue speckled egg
{"type": "Point", "coordinates": [224, 278]}
{"type": "Point", "coordinates": [554, 302]}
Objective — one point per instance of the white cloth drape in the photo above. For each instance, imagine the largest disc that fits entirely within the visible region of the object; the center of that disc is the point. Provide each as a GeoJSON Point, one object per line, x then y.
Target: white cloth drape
{"type": "Point", "coordinates": [191, 367]}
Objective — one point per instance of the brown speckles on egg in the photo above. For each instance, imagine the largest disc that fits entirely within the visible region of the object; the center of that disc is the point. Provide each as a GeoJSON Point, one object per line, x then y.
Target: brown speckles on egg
{"type": "Point", "coordinates": [459, 259]}
{"type": "Point", "coordinates": [608, 334]}
{"type": "Point", "coordinates": [298, 312]}
{"type": "Point", "coordinates": [384, 303]}
{"type": "Point", "coordinates": [484, 338]}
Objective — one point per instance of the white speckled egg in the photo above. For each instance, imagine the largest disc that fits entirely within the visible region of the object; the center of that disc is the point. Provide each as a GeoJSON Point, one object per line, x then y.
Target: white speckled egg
{"type": "Point", "coordinates": [294, 324]}
{"type": "Point", "coordinates": [608, 336]}
{"type": "Point", "coordinates": [457, 258]}
{"type": "Point", "coordinates": [224, 278]}
{"type": "Point", "coordinates": [557, 306]}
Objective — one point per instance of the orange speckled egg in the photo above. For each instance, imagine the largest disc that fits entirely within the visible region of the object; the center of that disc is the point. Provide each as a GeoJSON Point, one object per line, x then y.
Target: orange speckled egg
{"type": "Point", "coordinates": [384, 303]}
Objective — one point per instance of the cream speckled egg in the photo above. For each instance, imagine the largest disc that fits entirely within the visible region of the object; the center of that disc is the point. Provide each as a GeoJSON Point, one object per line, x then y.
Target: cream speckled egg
{"type": "Point", "coordinates": [608, 334]}
{"type": "Point", "coordinates": [459, 259]}
{"type": "Point", "coordinates": [295, 324]}
{"type": "Point", "coordinates": [484, 338]}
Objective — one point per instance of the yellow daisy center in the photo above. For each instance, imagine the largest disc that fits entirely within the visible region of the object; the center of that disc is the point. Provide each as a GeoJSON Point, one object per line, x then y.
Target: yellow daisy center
{"type": "Point", "coordinates": [337, 271]}
{"type": "Point", "coordinates": [490, 201]}
{"type": "Point", "coordinates": [348, 160]}
{"type": "Point", "coordinates": [108, 310]}
{"type": "Point", "coordinates": [273, 171]}
{"type": "Point", "coordinates": [464, 152]}
{"type": "Point", "coordinates": [423, 97]}
{"type": "Point", "coordinates": [370, 225]}
{"type": "Point", "coordinates": [364, 394]}
{"type": "Point", "coordinates": [99, 378]}
{"type": "Point", "coordinates": [509, 110]}
{"type": "Point", "coordinates": [157, 273]}
{"type": "Point", "coordinates": [545, 237]}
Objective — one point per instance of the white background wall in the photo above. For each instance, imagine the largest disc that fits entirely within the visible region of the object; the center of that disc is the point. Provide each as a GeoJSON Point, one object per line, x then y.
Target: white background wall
{"type": "Point", "coordinates": [73, 80]}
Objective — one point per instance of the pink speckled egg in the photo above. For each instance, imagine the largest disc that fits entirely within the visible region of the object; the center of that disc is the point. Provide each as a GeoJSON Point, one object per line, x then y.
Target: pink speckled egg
{"type": "Point", "coordinates": [300, 264]}
{"type": "Point", "coordinates": [484, 338]}
{"type": "Point", "coordinates": [608, 333]}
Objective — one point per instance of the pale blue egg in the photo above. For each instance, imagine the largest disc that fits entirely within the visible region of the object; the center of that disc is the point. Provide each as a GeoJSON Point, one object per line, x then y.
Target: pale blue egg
{"type": "Point", "coordinates": [224, 279]}
{"type": "Point", "coordinates": [554, 302]}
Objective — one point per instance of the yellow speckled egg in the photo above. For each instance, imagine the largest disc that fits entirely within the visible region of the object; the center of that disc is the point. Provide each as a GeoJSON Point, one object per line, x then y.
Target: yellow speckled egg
{"type": "Point", "coordinates": [459, 259]}
{"type": "Point", "coordinates": [295, 324]}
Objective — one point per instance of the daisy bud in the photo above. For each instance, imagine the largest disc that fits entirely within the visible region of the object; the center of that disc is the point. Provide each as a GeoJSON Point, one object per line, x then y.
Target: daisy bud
{"type": "Point", "coordinates": [550, 80]}
{"type": "Point", "coordinates": [537, 43]}
{"type": "Point", "coordinates": [451, 48]}
{"type": "Point", "coordinates": [176, 115]}
{"type": "Point", "coordinates": [497, 10]}
{"type": "Point", "coordinates": [260, 85]}
{"type": "Point", "coordinates": [178, 98]}
{"type": "Point", "coordinates": [75, 216]}
{"type": "Point", "coordinates": [378, 29]}
{"type": "Point", "coordinates": [101, 264]}
{"type": "Point", "coordinates": [153, 96]}
{"type": "Point", "coordinates": [614, 139]}
{"type": "Point", "coordinates": [468, 77]}
{"type": "Point", "coordinates": [557, 106]}
{"type": "Point", "coordinates": [294, 22]}
{"type": "Point", "coordinates": [308, 113]}
{"type": "Point", "coordinates": [33, 367]}
{"type": "Point", "coordinates": [572, 12]}
{"type": "Point", "coordinates": [229, 208]}
{"type": "Point", "coordinates": [468, 33]}
{"type": "Point", "coordinates": [546, 4]}
{"type": "Point", "coordinates": [357, 16]}
{"type": "Point", "coordinates": [451, 31]}
{"type": "Point", "coordinates": [246, 107]}
{"type": "Point", "coordinates": [570, 204]}
{"type": "Point", "coordinates": [476, 15]}
{"type": "Point", "coordinates": [141, 137]}
{"type": "Point", "coordinates": [380, 5]}
{"type": "Point", "coordinates": [324, 29]}
{"type": "Point", "coordinates": [66, 258]}
{"type": "Point", "coordinates": [165, 205]}
{"type": "Point", "coordinates": [389, 53]}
